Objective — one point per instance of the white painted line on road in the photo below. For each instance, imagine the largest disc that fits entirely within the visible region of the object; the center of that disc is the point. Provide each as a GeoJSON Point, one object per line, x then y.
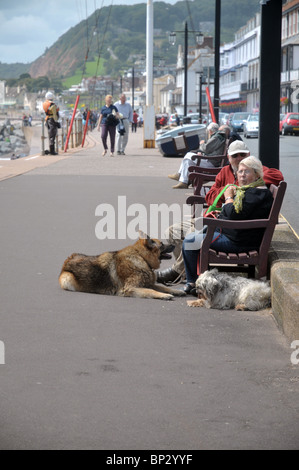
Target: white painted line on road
{"type": "Point", "coordinates": [293, 230]}
{"type": "Point", "coordinates": [31, 158]}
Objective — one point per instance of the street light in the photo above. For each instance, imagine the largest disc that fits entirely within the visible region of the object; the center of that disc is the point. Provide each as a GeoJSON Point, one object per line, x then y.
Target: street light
{"type": "Point", "coordinates": [200, 96]}
{"type": "Point", "coordinates": [199, 40]}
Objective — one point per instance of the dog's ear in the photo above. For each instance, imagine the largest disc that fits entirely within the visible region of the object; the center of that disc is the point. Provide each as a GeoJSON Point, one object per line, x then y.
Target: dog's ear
{"type": "Point", "coordinates": [147, 240]}
{"type": "Point", "coordinates": [210, 284]}
{"type": "Point", "coordinates": [143, 235]}
{"type": "Point", "coordinates": [150, 243]}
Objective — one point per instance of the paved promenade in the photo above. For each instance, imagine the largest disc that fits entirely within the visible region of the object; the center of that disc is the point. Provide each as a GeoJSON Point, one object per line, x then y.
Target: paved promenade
{"type": "Point", "coordinates": [84, 371]}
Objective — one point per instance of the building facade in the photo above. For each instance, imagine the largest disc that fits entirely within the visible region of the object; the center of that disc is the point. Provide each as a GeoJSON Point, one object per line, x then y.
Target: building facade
{"type": "Point", "coordinates": [290, 57]}
{"type": "Point", "coordinates": [239, 69]}
{"type": "Point", "coordinates": [239, 64]}
{"type": "Point", "coordinates": [200, 62]}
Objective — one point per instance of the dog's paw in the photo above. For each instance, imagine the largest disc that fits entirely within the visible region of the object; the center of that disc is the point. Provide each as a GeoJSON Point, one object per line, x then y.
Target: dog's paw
{"type": "Point", "coordinates": [240, 307]}
{"type": "Point", "coordinates": [178, 293]}
{"type": "Point", "coordinates": [167, 297]}
{"type": "Point", "coordinates": [195, 303]}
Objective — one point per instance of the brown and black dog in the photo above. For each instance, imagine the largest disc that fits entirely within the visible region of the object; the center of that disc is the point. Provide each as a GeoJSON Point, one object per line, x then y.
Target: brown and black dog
{"type": "Point", "coordinates": [129, 272]}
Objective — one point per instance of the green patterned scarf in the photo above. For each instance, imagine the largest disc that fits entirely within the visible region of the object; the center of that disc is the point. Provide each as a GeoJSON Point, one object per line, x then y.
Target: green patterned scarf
{"type": "Point", "coordinates": [240, 193]}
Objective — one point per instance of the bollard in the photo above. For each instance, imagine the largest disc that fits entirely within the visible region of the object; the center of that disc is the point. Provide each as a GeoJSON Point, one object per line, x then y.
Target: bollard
{"type": "Point", "coordinates": [72, 120]}
{"type": "Point", "coordinates": [76, 132]}
{"type": "Point", "coordinates": [43, 137]}
{"type": "Point", "coordinates": [80, 131]}
{"type": "Point", "coordinates": [86, 127]}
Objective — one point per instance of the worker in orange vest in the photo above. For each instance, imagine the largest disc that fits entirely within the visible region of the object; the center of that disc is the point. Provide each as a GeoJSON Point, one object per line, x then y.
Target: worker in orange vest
{"type": "Point", "coordinates": [52, 120]}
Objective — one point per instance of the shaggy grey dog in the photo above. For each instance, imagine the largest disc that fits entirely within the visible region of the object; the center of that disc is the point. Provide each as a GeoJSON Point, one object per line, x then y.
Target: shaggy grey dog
{"type": "Point", "coordinates": [222, 291]}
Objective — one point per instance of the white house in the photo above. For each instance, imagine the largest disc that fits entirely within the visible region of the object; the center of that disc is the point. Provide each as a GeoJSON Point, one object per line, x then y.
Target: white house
{"type": "Point", "coordinates": [162, 100]}
{"type": "Point", "coordinates": [166, 98]}
{"type": "Point", "coordinates": [200, 62]}
{"type": "Point", "coordinates": [239, 69]}
{"type": "Point", "coordinates": [4, 100]}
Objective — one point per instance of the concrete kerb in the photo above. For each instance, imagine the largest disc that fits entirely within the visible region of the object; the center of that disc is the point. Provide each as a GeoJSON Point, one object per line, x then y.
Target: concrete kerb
{"type": "Point", "coordinates": [284, 275]}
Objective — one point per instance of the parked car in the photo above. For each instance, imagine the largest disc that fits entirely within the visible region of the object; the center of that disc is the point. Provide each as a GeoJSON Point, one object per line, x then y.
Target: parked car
{"type": "Point", "coordinates": [289, 124]}
{"type": "Point", "coordinates": [194, 118]}
{"type": "Point", "coordinates": [223, 119]}
{"type": "Point", "coordinates": [237, 121]}
{"type": "Point", "coordinates": [229, 119]}
{"type": "Point", "coordinates": [251, 126]}
{"type": "Point", "coordinates": [281, 117]}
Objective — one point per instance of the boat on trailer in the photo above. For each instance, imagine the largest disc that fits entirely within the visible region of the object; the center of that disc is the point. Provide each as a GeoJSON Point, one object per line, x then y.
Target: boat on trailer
{"type": "Point", "coordinates": [180, 140]}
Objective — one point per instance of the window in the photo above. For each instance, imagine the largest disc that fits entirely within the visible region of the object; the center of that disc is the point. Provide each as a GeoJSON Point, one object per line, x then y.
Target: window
{"type": "Point", "coordinates": [284, 26]}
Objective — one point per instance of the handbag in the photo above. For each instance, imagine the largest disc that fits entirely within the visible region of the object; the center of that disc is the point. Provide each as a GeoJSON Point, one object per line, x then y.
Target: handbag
{"type": "Point", "coordinates": [111, 120]}
{"type": "Point", "coordinates": [121, 128]}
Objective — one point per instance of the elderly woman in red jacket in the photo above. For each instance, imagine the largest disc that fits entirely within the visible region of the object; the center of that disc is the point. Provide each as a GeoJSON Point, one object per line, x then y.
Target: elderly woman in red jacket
{"type": "Point", "coordinates": [237, 151]}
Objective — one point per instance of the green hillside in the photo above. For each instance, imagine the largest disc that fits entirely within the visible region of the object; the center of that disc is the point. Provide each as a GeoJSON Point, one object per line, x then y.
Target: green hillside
{"type": "Point", "coordinates": [91, 69]}
{"type": "Point", "coordinates": [116, 34]}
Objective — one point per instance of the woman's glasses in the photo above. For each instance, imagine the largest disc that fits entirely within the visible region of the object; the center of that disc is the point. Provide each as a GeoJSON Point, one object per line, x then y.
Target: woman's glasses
{"type": "Point", "coordinates": [245, 172]}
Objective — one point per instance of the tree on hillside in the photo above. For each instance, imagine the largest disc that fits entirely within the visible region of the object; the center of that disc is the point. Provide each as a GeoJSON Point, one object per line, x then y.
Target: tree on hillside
{"type": "Point", "coordinates": [24, 75]}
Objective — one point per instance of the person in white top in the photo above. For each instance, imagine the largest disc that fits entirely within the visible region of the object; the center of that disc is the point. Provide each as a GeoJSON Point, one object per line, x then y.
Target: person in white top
{"type": "Point", "coordinates": [124, 109]}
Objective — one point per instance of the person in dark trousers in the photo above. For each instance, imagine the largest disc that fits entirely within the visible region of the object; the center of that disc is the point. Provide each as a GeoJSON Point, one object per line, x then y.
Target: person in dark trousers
{"type": "Point", "coordinates": [134, 122]}
{"type": "Point", "coordinates": [109, 118]}
{"type": "Point", "coordinates": [52, 120]}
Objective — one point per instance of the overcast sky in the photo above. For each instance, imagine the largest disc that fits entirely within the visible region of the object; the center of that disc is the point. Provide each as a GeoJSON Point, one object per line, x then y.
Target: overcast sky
{"type": "Point", "coordinates": [29, 26]}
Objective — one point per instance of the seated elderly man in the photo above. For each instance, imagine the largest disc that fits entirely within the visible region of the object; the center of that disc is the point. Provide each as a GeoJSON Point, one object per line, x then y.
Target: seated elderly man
{"type": "Point", "coordinates": [215, 145]}
{"type": "Point", "coordinates": [237, 151]}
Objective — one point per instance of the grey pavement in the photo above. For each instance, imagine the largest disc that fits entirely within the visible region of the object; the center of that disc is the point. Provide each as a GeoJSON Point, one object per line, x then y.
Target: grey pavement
{"type": "Point", "coordinates": [84, 371]}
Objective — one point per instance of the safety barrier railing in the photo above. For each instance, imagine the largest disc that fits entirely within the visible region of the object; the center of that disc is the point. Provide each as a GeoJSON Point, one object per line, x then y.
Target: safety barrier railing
{"type": "Point", "coordinates": [76, 135]}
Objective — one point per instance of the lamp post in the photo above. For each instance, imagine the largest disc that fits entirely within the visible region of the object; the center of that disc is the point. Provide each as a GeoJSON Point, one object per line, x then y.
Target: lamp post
{"type": "Point", "coordinates": [200, 97]}
{"type": "Point", "coordinates": [199, 40]}
{"type": "Point", "coordinates": [217, 59]}
{"type": "Point", "coordinates": [133, 78]}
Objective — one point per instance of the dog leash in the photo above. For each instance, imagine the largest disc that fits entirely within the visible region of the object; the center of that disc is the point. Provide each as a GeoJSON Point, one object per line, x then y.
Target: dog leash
{"type": "Point", "coordinates": [213, 207]}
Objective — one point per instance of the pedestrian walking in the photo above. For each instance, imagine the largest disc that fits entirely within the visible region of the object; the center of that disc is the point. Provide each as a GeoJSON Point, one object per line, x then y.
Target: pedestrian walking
{"type": "Point", "coordinates": [135, 121]}
{"type": "Point", "coordinates": [107, 124]}
{"type": "Point", "coordinates": [126, 111]}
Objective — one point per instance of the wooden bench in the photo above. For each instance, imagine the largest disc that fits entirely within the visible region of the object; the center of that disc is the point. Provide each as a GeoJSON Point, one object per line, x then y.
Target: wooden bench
{"type": "Point", "coordinates": [247, 261]}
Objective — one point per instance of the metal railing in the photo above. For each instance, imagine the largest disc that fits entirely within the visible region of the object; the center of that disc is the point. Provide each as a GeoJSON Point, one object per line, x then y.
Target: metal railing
{"type": "Point", "coordinates": [75, 137]}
